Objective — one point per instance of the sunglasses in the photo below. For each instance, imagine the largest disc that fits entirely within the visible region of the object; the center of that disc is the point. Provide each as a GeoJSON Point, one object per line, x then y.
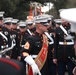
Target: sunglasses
{"type": "Point", "coordinates": [49, 21]}
{"type": "Point", "coordinates": [58, 23]}
{"type": "Point", "coordinates": [8, 23]}
{"type": "Point", "coordinates": [22, 26]}
{"type": "Point", "coordinates": [14, 23]}
{"type": "Point", "coordinates": [1, 18]}
{"type": "Point", "coordinates": [44, 23]}
{"type": "Point", "coordinates": [30, 24]}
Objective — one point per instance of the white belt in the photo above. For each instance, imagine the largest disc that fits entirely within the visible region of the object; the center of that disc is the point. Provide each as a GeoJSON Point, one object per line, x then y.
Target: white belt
{"type": "Point", "coordinates": [22, 45]}
{"type": "Point", "coordinates": [34, 56]}
{"type": "Point", "coordinates": [66, 43]}
{"type": "Point", "coordinates": [51, 43]}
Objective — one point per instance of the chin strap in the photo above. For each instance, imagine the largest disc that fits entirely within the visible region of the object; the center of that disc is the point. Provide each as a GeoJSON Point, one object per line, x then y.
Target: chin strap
{"type": "Point", "coordinates": [64, 30]}
{"type": "Point", "coordinates": [3, 36]}
{"type": "Point", "coordinates": [49, 36]}
{"type": "Point", "coordinates": [29, 31]}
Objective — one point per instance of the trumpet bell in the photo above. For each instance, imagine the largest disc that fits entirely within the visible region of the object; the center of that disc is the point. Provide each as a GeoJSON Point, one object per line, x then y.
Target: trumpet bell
{"type": "Point", "coordinates": [70, 16]}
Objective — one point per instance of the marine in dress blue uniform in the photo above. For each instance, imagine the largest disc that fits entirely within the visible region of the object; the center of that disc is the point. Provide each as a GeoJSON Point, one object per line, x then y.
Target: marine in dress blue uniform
{"type": "Point", "coordinates": [7, 33]}
{"type": "Point", "coordinates": [30, 26]}
{"type": "Point", "coordinates": [15, 53]}
{"type": "Point", "coordinates": [70, 16]}
{"type": "Point", "coordinates": [22, 34]}
{"type": "Point", "coordinates": [51, 66]}
{"type": "Point", "coordinates": [33, 45]}
{"type": "Point", "coordinates": [64, 48]}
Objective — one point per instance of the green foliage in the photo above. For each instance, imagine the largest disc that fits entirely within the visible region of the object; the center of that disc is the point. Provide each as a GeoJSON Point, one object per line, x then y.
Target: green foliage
{"type": "Point", "coordinates": [14, 8]}
{"type": "Point", "coordinates": [7, 6]}
{"type": "Point", "coordinates": [53, 12]}
{"type": "Point", "coordinates": [58, 4]}
{"type": "Point", "coordinates": [71, 4]}
{"type": "Point", "coordinates": [20, 8]}
{"type": "Point", "coordinates": [40, 1]}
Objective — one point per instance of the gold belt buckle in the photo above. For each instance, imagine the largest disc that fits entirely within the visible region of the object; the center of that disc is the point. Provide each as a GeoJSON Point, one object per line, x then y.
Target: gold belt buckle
{"type": "Point", "coordinates": [65, 42]}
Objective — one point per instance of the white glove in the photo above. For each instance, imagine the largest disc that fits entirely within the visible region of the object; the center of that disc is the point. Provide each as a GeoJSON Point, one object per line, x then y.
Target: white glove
{"type": "Point", "coordinates": [31, 62]}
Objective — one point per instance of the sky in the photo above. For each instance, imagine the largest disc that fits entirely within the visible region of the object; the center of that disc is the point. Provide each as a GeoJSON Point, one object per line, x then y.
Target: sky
{"type": "Point", "coordinates": [46, 8]}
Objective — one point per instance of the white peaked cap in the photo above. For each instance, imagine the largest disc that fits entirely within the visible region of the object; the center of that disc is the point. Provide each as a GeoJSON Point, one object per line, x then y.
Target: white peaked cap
{"type": "Point", "coordinates": [57, 20]}
{"type": "Point", "coordinates": [29, 21]}
{"type": "Point", "coordinates": [22, 23]}
{"type": "Point", "coordinates": [61, 10]}
{"type": "Point", "coordinates": [70, 16]}
{"type": "Point", "coordinates": [1, 13]}
{"type": "Point", "coordinates": [15, 20]}
{"type": "Point", "coordinates": [47, 15]}
{"type": "Point", "coordinates": [50, 17]}
{"type": "Point", "coordinates": [41, 18]}
{"type": "Point", "coordinates": [8, 19]}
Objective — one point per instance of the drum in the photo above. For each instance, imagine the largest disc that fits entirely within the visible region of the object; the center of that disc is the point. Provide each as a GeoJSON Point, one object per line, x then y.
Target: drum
{"type": "Point", "coordinates": [11, 67]}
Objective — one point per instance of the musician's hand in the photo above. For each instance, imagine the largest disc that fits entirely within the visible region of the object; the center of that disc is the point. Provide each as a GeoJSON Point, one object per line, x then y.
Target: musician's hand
{"type": "Point", "coordinates": [19, 58]}
{"type": "Point", "coordinates": [55, 61]}
{"type": "Point", "coordinates": [32, 63]}
{"type": "Point", "coordinates": [7, 56]}
{"type": "Point", "coordinates": [74, 71]}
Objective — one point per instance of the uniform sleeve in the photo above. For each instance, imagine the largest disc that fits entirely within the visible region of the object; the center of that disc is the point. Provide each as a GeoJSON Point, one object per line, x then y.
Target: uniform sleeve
{"type": "Point", "coordinates": [27, 47]}
{"type": "Point", "coordinates": [55, 44]}
{"type": "Point", "coordinates": [17, 44]}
